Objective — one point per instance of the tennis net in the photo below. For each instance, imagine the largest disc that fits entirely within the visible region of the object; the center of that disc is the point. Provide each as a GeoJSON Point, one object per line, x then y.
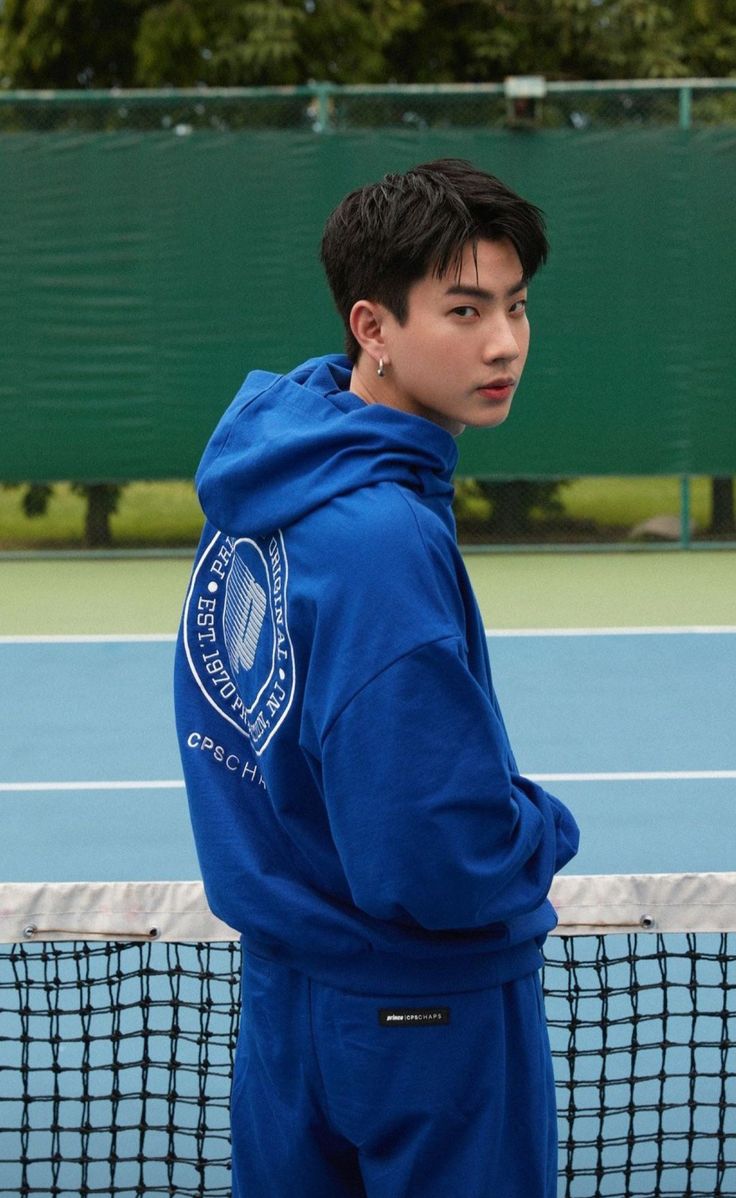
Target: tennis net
{"type": "Point", "coordinates": [119, 1013]}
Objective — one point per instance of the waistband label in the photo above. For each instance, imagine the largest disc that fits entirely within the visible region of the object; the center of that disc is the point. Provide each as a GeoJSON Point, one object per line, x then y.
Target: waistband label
{"type": "Point", "coordinates": [413, 1016]}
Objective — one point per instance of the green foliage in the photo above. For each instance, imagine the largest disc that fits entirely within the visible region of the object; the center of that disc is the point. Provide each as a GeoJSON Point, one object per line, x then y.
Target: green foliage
{"type": "Point", "coordinates": [579, 39]}
{"type": "Point", "coordinates": [105, 43]}
{"type": "Point", "coordinates": [709, 31]}
{"type": "Point", "coordinates": [169, 44]}
{"type": "Point", "coordinates": [507, 508]}
{"type": "Point", "coordinates": [68, 43]}
{"type": "Point", "coordinates": [35, 499]}
{"type": "Point", "coordinates": [259, 43]}
{"type": "Point", "coordinates": [102, 500]}
{"type": "Point", "coordinates": [515, 503]}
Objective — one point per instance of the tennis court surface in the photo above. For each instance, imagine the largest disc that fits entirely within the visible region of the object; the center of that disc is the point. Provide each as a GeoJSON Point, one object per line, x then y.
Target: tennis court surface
{"type": "Point", "coordinates": [118, 1001]}
{"type": "Point", "coordinates": [634, 730]}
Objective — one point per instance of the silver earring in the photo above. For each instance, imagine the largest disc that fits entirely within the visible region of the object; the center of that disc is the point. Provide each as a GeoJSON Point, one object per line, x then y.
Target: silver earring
{"type": "Point", "coordinates": [380, 371]}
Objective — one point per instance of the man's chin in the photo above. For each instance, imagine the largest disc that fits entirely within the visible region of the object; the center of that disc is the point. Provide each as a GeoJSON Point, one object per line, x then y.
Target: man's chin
{"type": "Point", "coordinates": [490, 419]}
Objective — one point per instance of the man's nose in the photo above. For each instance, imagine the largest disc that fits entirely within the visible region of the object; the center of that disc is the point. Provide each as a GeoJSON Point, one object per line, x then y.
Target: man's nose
{"type": "Point", "coordinates": [501, 342]}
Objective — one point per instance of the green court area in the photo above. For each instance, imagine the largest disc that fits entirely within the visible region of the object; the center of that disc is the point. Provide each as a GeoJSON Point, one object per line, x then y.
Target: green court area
{"type": "Point", "coordinates": [530, 590]}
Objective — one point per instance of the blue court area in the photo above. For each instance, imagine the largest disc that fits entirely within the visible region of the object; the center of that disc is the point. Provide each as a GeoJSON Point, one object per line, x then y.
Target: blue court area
{"type": "Point", "coordinates": [635, 731]}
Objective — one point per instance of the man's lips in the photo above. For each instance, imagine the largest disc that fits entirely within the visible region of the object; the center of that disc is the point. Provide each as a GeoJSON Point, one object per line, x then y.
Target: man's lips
{"type": "Point", "coordinates": [498, 388]}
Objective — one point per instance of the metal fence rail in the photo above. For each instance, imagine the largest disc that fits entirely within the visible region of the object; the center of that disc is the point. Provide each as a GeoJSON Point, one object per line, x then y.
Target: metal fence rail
{"type": "Point", "coordinates": [326, 107]}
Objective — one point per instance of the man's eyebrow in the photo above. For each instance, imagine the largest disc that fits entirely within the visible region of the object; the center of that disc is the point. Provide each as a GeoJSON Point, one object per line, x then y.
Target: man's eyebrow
{"type": "Point", "coordinates": [481, 293]}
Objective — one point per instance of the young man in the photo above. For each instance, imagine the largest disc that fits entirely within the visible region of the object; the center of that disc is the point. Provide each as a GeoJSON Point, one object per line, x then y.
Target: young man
{"type": "Point", "coordinates": [357, 809]}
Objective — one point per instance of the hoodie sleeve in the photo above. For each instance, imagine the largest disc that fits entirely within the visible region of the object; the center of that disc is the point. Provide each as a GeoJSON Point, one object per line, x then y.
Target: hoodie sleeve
{"type": "Point", "coordinates": [428, 817]}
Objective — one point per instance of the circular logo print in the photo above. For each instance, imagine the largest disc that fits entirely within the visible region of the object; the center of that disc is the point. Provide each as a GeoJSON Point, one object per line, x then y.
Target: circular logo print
{"type": "Point", "coordinates": [236, 633]}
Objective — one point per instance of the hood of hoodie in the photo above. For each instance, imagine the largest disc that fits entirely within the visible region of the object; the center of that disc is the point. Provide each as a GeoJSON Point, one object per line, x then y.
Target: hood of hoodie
{"type": "Point", "coordinates": [288, 444]}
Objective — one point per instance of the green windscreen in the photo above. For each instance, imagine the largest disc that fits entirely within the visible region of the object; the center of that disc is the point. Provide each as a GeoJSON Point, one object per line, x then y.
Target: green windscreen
{"type": "Point", "coordinates": [144, 273]}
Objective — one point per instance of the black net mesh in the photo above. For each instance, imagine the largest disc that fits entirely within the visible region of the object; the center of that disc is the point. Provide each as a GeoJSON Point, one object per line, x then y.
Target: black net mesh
{"type": "Point", "coordinates": [115, 1065]}
{"type": "Point", "coordinates": [642, 1028]}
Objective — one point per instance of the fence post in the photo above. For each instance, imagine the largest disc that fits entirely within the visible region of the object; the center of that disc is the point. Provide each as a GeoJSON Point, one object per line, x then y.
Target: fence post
{"type": "Point", "coordinates": [322, 92]}
{"type": "Point", "coordinates": [685, 511]}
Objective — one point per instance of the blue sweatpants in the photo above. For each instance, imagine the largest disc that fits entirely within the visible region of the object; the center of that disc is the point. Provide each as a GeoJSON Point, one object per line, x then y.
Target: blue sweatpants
{"type": "Point", "coordinates": [341, 1095]}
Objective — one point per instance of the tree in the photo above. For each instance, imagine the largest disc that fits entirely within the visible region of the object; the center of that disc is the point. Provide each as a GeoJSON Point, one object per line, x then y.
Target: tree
{"type": "Point", "coordinates": [124, 43]}
{"type": "Point", "coordinates": [68, 43]}
{"type": "Point", "coordinates": [723, 516]}
{"type": "Point", "coordinates": [515, 502]}
{"type": "Point", "coordinates": [262, 42]}
{"type": "Point", "coordinates": [102, 502]}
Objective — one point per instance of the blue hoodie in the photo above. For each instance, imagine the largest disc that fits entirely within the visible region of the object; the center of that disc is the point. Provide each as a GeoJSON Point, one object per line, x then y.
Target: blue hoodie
{"type": "Point", "coordinates": [356, 807]}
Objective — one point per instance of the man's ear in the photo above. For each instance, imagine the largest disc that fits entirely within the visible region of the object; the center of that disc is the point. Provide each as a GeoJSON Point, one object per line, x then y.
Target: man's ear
{"type": "Point", "coordinates": [368, 326]}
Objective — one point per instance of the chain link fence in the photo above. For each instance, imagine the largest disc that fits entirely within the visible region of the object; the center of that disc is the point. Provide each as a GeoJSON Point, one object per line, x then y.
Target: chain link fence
{"type": "Point", "coordinates": [600, 511]}
{"type": "Point", "coordinates": [501, 513]}
{"type": "Point", "coordinates": [324, 108]}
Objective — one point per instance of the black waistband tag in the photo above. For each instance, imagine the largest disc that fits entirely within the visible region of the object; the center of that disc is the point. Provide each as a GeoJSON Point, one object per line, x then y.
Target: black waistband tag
{"type": "Point", "coordinates": [413, 1016]}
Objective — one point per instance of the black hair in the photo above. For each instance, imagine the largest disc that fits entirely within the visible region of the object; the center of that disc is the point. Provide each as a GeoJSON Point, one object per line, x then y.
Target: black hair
{"type": "Point", "coordinates": [386, 236]}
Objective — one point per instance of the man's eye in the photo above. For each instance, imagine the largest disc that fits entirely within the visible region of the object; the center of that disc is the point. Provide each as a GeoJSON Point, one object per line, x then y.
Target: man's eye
{"type": "Point", "coordinates": [519, 307]}
{"type": "Point", "coordinates": [465, 310]}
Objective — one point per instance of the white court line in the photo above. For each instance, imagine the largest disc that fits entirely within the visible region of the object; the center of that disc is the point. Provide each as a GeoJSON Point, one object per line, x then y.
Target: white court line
{"type": "Point", "coordinates": [650, 776]}
{"type": "Point", "coordinates": [679, 630]}
{"type": "Point", "coordinates": [174, 784]}
{"type": "Point", "coordinates": [114, 638]}
{"type": "Point", "coordinates": [178, 784]}
{"type": "Point", "coordinates": [121, 638]}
